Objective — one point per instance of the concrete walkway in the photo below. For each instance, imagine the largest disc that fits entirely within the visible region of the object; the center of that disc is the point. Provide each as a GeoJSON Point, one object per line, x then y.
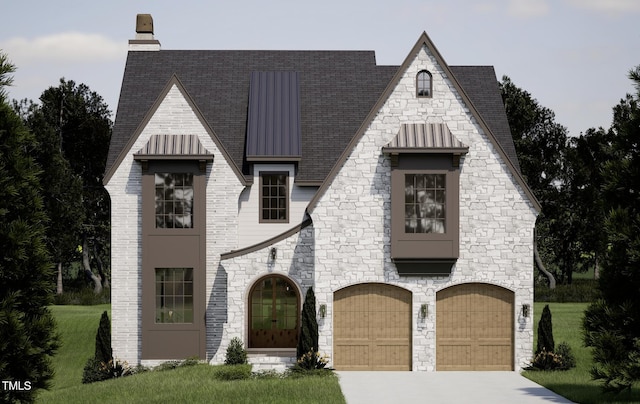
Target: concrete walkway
{"type": "Point", "coordinates": [443, 387]}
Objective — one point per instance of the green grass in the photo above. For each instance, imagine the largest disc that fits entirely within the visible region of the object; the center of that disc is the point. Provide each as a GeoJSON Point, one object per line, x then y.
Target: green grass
{"type": "Point", "coordinates": [77, 326]}
{"type": "Point", "coordinates": [574, 384]}
{"type": "Point", "coordinates": [194, 384]}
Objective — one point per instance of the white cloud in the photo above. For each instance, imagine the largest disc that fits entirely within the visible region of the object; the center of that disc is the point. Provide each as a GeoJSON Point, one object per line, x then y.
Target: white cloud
{"type": "Point", "coordinates": [63, 48]}
{"type": "Point", "coordinates": [608, 6]}
{"type": "Point", "coordinates": [527, 8]}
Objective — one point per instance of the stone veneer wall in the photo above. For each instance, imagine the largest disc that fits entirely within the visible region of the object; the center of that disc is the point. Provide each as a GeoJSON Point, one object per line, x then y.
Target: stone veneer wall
{"type": "Point", "coordinates": [295, 259]}
{"type": "Point", "coordinates": [352, 218]}
{"type": "Point", "coordinates": [173, 116]}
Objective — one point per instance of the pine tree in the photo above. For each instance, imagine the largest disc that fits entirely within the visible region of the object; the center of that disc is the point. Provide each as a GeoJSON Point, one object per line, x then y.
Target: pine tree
{"type": "Point", "coordinates": [545, 332]}
{"type": "Point", "coordinates": [612, 325]}
{"type": "Point", "coordinates": [308, 339]}
{"type": "Point", "coordinates": [27, 330]}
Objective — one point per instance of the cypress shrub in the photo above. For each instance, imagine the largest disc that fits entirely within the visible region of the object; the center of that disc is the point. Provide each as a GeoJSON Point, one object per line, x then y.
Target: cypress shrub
{"type": "Point", "coordinates": [308, 339]}
{"type": "Point", "coordinates": [545, 332]}
{"type": "Point", "coordinates": [103, 340]}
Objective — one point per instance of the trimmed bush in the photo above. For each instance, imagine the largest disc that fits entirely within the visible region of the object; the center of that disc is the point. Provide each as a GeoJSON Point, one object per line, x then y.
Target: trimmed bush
{"type": "Point", "coordinates": [236, 354]}
{"type": "Point", "coordinates": [562, 359]}
{"type": "Point", "coordinates": [232, 372]}
{"type": "Point", "coordinates": [580, 291]}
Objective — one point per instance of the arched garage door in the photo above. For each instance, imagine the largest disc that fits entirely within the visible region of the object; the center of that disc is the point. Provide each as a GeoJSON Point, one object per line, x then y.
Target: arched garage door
{"type": "Point", "coordinates": [372, 328]}
{"type": "Point", "coordinates": [474, 328]}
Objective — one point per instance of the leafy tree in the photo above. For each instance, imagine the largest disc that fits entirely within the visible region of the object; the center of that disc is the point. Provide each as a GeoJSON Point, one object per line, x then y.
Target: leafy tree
{"type": "Point", "coordinates": [62, 188]}
{"type": "Point", "coordinates": [74, 120]}
{"type": "Point", "coordinates": [27, 329]}
{"type": "Point", "coordinates": [541, 144]}
{"type": "Point", "coordinates": [308, 339]}
{"type": "Point", "coordinates": [612, 325]}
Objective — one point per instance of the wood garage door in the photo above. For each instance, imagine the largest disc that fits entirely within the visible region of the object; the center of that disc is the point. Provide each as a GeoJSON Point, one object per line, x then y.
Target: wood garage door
{"type": "Point", "coordinates": [372, 328]}
{"type": "Point", "coordinates": [474, 328]}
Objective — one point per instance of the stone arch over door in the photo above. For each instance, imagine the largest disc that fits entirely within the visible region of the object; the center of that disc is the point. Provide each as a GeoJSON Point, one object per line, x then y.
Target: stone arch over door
{"type": "Point", "coordinates": [274, 312]}
{"type": "Point", "coordinates": [372, 327]}
{"type": "Point", "coordinates": [474, 327]}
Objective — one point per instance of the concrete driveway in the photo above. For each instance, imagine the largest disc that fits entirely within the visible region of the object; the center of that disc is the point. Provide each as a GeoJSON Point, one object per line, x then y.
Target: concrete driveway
{"type": "Point", "coordinates": [443, 387]}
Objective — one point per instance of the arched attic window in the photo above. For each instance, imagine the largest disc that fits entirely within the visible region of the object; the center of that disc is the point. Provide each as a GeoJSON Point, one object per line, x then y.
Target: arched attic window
{"type": "Point", "coordinates": [424, 84]}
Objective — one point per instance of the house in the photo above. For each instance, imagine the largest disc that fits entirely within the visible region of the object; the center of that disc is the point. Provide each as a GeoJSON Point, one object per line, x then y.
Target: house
{"type": "Point", "coordinates": [239, 179]}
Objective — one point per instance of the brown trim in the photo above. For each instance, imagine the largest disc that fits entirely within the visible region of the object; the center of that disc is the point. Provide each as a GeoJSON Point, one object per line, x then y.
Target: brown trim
{"type": "Point", "coordinates": [173, 248]}
{"type": "Point", "coordinates": [174, 80]}
{"type": "Point", "coordinates": [424, 40]}
{"type": "Point", "coordinates": [266, 243]}
{"type": "Point", "coordinates": [272, 159]}
{"type": "Point", "coordinates": [423, 246]}
{"type": "Point", "coordinates": [261, 219]}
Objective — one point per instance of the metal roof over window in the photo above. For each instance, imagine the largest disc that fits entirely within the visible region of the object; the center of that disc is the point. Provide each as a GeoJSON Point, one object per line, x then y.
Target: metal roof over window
{"type": "Point", "coordinates": [425, 138]}
{"type": "Point", "coordinates": [273, 121]}
{"type": "Point", "coordinates": [174, 147]}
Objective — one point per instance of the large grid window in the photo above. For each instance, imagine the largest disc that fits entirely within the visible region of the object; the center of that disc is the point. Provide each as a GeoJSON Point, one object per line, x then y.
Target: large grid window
{"type": "Point", "coordinates": [274, 197]}
{"type": "Point", "coordinates": [423, 83]}
{"type": "Point", "coordinates": [424, 203]}
{"type": "Point", "coordinates": [174, 295]}
{"type": "Point", "coordinates": [174, 200]}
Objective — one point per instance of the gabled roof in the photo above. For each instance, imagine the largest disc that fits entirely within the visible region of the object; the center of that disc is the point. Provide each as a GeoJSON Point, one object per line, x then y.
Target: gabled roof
{"type": "Point", "coordinates": [338, 88]}
{"type": "Point", "coordinates": [502, 143]}
{"type": "Point", "coordinates": [340, 92]}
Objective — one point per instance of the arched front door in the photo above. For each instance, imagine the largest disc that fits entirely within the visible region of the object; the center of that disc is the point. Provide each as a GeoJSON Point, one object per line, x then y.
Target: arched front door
{"type": "Point", "coordinates": [274, 312]}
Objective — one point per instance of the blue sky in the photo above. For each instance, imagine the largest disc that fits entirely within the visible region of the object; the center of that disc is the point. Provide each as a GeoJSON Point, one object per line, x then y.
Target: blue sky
{"type": "Point", "coordinates": [572, 55]}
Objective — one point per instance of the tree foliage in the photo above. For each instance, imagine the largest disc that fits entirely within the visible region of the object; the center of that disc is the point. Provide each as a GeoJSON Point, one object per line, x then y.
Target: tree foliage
{"type": "Point", "coordinates": [73, 126]}
{"type": "Point", "coordinates": [541, 145]}
{"type": "Point", "coordinates": [612, 325]}
{"type": "Point", "coordinates": [27, 329]}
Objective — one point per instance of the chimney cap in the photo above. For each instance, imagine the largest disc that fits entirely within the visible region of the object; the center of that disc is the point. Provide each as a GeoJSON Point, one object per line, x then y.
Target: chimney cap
{"type": "Point", "coordinates": [144, 24]}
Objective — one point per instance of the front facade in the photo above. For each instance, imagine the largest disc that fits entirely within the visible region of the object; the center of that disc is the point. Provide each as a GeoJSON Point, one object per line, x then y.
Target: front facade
{"type": "Point", "coordinates": [240, 179]}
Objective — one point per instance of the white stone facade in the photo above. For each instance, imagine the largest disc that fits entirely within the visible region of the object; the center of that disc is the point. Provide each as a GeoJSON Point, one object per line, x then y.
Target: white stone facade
{"type": "Point", "coordinates": [352, 219]}
{"type": "Point", "coordinates": [349, 240]}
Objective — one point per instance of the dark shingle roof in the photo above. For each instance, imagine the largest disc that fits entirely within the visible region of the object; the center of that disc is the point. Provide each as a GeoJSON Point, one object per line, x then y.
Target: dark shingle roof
{"type": "Point", "coordinates": [480, 84]}
{"type": "Point", "coordinates": [337, 91]}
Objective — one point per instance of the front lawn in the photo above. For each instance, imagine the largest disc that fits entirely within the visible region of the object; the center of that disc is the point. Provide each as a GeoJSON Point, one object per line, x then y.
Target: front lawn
{"type": "Point", "coordinates": [77, 326]}
{"type": "Point", "coordinates": [574, 384]}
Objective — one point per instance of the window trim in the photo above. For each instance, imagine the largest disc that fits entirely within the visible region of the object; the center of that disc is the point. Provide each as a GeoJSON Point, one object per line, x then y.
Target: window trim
{"type": "Point", "coordinates": [262, 174]}
{"type": "Point", "coordinates": [425, 246]}
{"type": "Point", "coordinates": [419, 87]}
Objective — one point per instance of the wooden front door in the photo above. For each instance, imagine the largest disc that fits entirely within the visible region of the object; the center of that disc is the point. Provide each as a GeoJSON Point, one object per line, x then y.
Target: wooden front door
{"type": "Point", "coordinates": [274, 313]}
{"type": "Point", "coordinates": [372, 327]}
{"type": "Point", "coordinates": [474, 328]}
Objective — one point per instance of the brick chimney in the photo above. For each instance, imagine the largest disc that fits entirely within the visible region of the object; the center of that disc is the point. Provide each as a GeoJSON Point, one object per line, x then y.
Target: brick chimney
{"type": "Point", "coordinates": [144, 35]}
